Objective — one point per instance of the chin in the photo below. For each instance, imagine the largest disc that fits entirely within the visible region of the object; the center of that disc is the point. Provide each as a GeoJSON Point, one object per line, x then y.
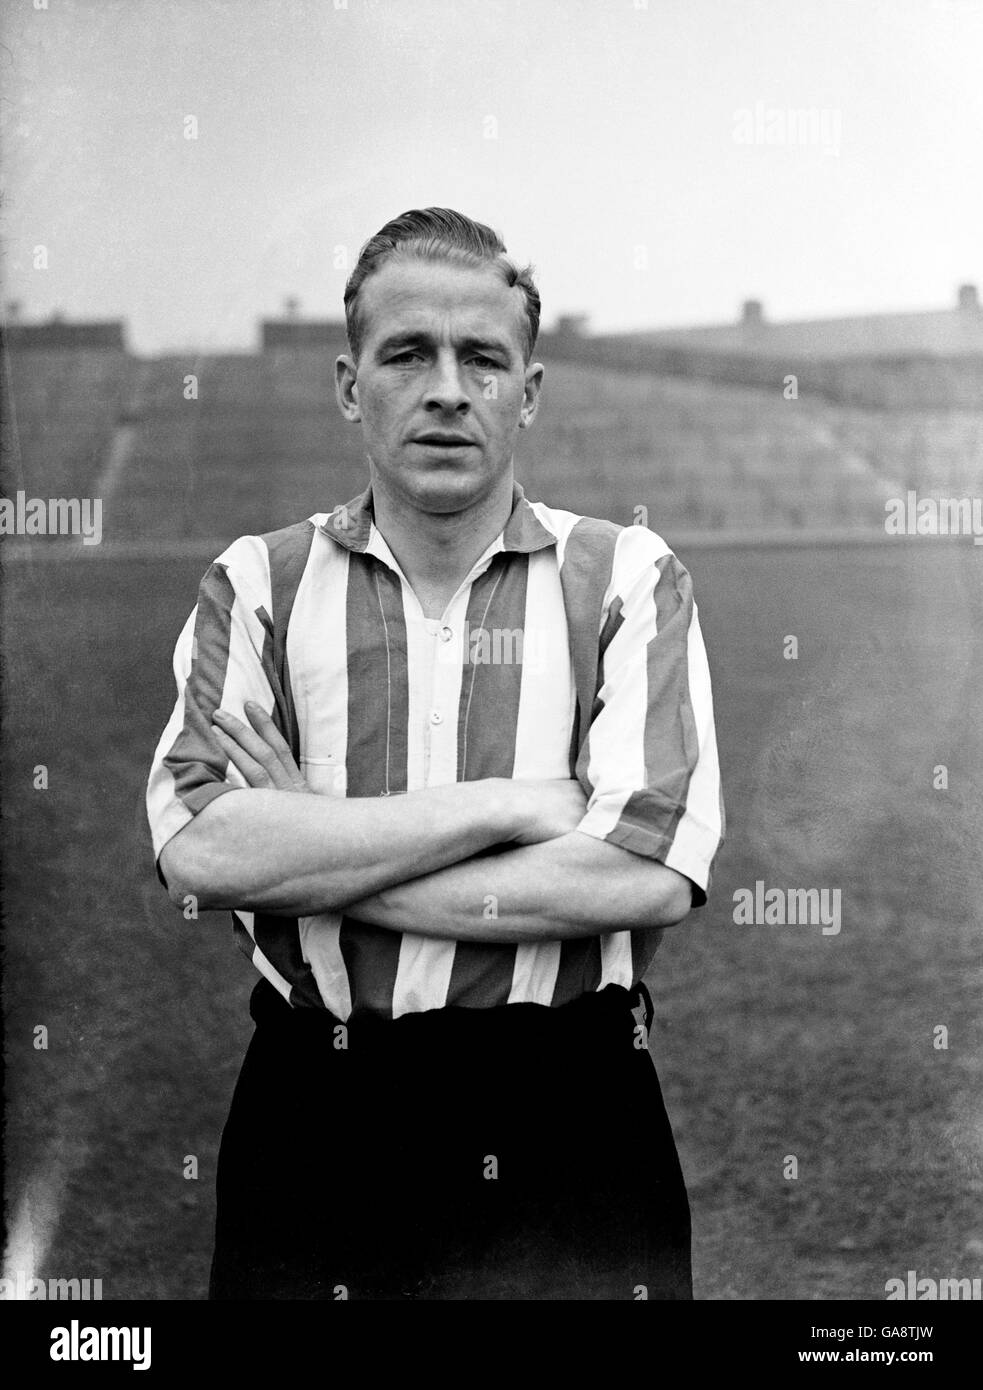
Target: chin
{"type": "Point", "coordinates": [443, 491]}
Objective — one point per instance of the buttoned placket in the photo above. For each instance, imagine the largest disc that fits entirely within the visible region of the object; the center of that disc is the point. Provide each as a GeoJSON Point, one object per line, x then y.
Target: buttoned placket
{"type": "Point", "coordinates": [436, 651]}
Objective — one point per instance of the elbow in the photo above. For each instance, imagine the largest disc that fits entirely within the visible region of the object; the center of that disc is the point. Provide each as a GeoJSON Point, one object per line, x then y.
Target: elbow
{"type": "Point", "coordinates": [183, 892]}
{"type": "Point", "coordinates": [190, 872]}
{"type": "Point", "coordinates": [674, 901]}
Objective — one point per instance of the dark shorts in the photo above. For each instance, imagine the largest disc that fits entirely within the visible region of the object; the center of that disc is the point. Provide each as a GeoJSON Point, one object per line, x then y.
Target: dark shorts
{"type": "Point", "coordinates": [517, 1152]}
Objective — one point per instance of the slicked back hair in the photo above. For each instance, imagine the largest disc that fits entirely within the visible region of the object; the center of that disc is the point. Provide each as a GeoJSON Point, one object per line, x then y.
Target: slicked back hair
{"type": "Point", "coordinates": [440, 234]}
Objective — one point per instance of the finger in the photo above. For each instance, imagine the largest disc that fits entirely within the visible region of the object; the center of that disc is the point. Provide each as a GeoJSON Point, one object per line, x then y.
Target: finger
{"type": "Point", "coordinates": [281, 777]}
{"type": "Point", "coordinates": [269, 733]}
{"type": "Point", "coordinates": [267, 729]}
{"type": "Point", "coordinates": [254, 773]}
{"type": "Point", "coordinates": [246, 738]}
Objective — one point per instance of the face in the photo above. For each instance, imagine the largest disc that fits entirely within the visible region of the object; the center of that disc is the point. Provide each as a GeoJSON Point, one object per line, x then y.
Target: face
{"type": "Point", "coordinates": [440, 388]}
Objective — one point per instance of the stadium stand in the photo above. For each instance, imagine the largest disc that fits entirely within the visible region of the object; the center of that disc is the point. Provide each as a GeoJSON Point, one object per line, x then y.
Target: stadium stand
{"type": "Point", "coordinates": [186, 448]}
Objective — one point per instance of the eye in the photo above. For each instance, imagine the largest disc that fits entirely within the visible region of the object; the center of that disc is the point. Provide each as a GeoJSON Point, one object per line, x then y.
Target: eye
{"type": "Point", "coordinates": [484, 362]}
{"type": "Point", "coordinates": [410, 355]}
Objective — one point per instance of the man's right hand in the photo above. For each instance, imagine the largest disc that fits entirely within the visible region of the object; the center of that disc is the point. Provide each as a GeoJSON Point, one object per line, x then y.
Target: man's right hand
{"type": "Point", "coordinates": [547, 809]}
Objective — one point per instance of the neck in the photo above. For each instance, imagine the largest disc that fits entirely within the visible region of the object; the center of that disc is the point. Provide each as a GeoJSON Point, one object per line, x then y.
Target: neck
{"type": "Point", "coordinates": [436, 550]}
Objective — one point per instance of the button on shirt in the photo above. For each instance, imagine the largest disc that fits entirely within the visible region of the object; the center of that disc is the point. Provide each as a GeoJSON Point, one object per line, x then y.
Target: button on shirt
{"type": "Point", "coordinates": [572, 648]}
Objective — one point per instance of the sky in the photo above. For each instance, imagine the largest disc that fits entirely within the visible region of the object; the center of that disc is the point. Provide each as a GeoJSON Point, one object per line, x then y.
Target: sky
{"type": "Point", "coordinates": [639, 152]}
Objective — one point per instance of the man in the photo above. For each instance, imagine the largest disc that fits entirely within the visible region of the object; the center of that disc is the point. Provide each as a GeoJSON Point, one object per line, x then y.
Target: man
{"type": "Point", "coordinates": [449, 757]}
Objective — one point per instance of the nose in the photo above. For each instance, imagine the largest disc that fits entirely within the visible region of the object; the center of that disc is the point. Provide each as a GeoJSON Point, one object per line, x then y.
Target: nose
{"type": "Point", "coordinates": [445, 389]}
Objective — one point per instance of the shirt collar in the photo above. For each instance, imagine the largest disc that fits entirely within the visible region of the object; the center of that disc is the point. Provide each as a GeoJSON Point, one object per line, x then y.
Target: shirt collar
{"type": "Point", "coordinates": [352, 525]}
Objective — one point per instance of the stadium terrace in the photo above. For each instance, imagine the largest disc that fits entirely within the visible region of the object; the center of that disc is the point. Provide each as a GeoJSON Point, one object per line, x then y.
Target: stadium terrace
{"type": "Point", "coordinates": [58, 516]}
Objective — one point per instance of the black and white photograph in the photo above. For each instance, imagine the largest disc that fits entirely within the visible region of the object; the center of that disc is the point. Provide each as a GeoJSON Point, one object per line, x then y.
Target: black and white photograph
{"type": "Point", "coordinates": [491, 540]}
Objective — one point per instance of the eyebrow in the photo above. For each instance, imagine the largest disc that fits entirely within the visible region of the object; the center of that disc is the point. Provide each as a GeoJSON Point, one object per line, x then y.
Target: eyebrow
{"type": "Point", "coordinates": [418, 338]}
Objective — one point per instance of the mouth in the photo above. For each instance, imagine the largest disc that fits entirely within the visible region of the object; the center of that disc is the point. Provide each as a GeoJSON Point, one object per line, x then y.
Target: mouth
{"type": "Point", "coordinates": [437, 440]}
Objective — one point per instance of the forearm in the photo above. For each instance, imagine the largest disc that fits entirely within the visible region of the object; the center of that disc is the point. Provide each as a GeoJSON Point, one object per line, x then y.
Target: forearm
{"type": "Point", "coordinates": [288, 854]}
{"type": "Point", "coordinates": [573, 886]}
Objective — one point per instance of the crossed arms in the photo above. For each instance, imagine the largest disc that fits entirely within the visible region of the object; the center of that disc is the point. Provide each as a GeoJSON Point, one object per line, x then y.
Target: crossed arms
{"type": "Point", "coordinates": [413, 862]}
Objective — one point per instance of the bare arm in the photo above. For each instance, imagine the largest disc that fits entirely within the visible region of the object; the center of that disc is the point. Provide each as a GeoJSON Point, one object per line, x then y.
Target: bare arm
{"type": "Point", "coordinates": [571, 886]}
{"type": "Point", "coordinates": [266, 848]}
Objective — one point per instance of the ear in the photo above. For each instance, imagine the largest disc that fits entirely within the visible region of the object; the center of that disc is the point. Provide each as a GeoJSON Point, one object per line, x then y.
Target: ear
{"type": "Point", "coordinates": [530, 395]}
{"type": "Point", "coordinates": [346, 389]}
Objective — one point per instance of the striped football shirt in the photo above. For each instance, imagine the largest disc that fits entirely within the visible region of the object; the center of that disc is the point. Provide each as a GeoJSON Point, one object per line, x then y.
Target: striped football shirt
{"type": "Point", "coordinates": [572, 649]}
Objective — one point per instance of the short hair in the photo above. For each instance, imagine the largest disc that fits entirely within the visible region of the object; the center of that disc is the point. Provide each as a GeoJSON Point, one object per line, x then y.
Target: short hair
{"type": "Point", "coordinates": [440, 234]}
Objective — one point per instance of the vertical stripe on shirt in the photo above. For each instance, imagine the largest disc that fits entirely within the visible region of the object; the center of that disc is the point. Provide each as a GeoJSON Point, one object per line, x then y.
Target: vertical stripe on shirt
{"type": "Point", "coordinates": [434, 671]}
{"type": "Point", "coordinates": [243, 930]}
{"type": "Point", "coordinates": [279, 940]}
{"type": "Point", "coordinates": [316, 655]}
{"type": "Point", "coordinates": [487, 718]}
{"type": "Point", "coordinates": [585, 572]}
{"type": "Point", "coordinates": [670, 744]}
{"type": "Point", "coordinates": [579, 970]}
{"type": "Point", "coordinates": [542, 749]}
{"type": "Point", "coordinates": [195, 757]}
{"type": "Point", "coordinates": [493, 670]}
{"type": "Point", "coordinates": [701, 829]}
{"type": "Point", "coordinates": [377, 678]}
{"type": "Point", "coordinates": [289, 552]}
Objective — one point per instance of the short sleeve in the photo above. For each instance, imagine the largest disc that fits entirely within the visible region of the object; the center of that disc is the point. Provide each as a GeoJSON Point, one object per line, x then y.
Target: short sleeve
{"type": "Point", "coordinates": [650, 761]}
{"type": "Point", "coordinates": [221, 660]}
